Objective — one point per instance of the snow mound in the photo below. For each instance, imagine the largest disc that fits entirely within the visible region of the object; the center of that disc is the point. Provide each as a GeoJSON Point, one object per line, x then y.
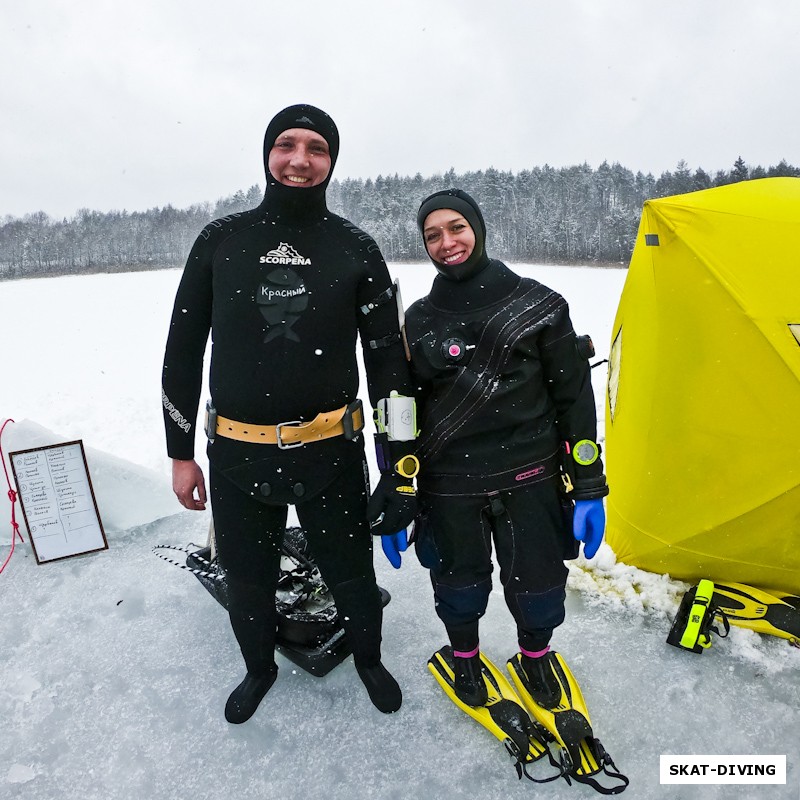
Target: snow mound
{"type": "Point", "coordinates": [128, 495]}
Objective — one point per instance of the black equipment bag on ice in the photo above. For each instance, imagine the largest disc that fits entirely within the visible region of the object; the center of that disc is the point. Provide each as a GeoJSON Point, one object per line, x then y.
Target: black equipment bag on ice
{"type": "Point", "coordinates": [309, 631]}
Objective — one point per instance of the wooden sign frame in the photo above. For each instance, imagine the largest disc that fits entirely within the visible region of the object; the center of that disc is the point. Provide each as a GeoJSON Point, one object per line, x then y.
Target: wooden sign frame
{"type": "Point", "coordinates": [57, 499]}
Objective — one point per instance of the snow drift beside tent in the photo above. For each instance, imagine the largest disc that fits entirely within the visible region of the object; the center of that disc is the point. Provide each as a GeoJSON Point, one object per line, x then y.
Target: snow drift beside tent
{"type": "Point", "coordinates": [703, 405]}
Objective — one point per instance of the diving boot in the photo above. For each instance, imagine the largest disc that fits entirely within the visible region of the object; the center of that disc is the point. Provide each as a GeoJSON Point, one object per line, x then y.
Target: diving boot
{"type": "Point", "coordinates": [383, 689]}
{"type": "Point", "coordinates": [468, 680]}
{"type": "Point", "coordinates": [247, 696]}
{"type": "Point", "coordinates": [543, 684]}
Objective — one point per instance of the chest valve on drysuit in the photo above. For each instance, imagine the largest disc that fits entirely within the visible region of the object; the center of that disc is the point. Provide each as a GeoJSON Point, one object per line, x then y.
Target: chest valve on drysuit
{"type": "Point", "coordinates": [454, 349]}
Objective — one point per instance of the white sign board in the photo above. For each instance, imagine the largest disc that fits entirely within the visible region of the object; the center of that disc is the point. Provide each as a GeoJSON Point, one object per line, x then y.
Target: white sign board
{"type": "Point", "coordinates": [57, 499]}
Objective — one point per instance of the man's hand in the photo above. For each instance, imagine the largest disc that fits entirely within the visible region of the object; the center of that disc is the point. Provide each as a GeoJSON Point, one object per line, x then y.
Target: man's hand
{"type": "Point", "coordinates": [187, 478]}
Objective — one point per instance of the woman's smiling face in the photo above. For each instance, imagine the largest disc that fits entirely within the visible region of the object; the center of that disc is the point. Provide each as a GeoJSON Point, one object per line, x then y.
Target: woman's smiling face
{"type": "Point", "coordinates": [449, 238]}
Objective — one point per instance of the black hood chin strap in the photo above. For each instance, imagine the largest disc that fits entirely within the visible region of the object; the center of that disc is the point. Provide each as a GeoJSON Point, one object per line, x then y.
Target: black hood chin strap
{"type": "Point", "coordinates": [458, 200]}
{"type": "Point", "coordinates": [290, 202]}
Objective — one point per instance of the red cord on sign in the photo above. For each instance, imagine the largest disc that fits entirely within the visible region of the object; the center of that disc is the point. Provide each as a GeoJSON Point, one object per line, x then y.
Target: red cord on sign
{"type": "Point", "coordinates": [12, 496]}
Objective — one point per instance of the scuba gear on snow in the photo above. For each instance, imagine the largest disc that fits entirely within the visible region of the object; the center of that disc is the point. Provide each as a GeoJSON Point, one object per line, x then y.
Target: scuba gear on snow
{"type": "Point", "coordinates": [589, 524]}
{"type": "Point", "coordinates": [310, 633]}
{"type": "Point", "coordinates": [691, 629]}
{"type": "Point", "coordinates": [502, 714]}
{"type": "Point", "coordinates": [774, 613]}
{"type": "Point", "coordinates": [583, 757]}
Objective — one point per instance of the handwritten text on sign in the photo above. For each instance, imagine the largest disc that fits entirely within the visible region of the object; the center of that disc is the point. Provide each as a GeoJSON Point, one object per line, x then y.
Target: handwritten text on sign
{"type": "Point", "coordinates": [57, 500]}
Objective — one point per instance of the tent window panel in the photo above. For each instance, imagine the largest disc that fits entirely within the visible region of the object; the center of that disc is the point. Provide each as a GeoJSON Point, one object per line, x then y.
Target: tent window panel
{"type": "Point", "coordinates": [614, 361]}
{"type": "Point", "coordinates": [651, 239]}
{"type": "Point", "coordinates": [795, 329]}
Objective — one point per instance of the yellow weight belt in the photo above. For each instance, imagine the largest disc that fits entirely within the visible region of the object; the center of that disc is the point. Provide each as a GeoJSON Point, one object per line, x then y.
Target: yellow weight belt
{"type": "Point", "coordinates": [325, 425]}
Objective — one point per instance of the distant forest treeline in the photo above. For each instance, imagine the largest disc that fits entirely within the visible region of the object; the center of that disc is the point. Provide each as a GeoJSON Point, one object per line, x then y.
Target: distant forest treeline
{"type": "Point", "coordinates": [566, 215]}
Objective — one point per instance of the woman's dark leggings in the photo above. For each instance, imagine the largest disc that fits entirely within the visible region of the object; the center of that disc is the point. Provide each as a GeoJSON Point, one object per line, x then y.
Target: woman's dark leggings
{"type": "Point", "coordinates": [530, 529]}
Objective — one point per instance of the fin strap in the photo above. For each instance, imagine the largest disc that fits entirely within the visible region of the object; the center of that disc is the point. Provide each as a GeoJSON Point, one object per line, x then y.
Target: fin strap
{"type": "Point", "coordinates": [604, 762]}
{"type": "Point", "coordinates": [718, 612]}
{"type": "Point", "coordinates": [522, 769]}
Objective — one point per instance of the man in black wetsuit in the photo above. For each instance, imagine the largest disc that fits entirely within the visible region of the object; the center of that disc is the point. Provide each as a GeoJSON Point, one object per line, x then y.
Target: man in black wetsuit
{"type": "Point", "coordinates": [502, 387]}
{"type": "Point", "coordinates": [285, 290]}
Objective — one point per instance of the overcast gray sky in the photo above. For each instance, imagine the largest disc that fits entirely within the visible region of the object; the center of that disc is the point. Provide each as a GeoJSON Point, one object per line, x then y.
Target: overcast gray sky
{"type": "Point", "coordinates": [129, 105]}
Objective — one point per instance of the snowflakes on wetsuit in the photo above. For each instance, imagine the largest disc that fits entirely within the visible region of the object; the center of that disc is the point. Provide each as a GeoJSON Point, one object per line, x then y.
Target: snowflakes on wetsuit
{"type": "Point", "coordinates": [501, 386]}
{"type": "Point", "coordinates": [280, 288]}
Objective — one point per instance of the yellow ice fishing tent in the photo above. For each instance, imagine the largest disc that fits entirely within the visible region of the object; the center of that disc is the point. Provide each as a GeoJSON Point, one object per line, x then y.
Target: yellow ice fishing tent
{"type": "Point", "coordinates": [703, 404]}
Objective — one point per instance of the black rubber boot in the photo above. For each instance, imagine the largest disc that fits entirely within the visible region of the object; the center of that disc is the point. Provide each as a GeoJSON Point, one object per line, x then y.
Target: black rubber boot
{"type": "Point", "coordinates": [542, 682]}
{"type": "Point", "coordinates": [468, 685]}
{"type": "Point", "coordinates": [247, 696]}
{"type": "Point", "coordinates": [382, 688]}
{"type": "Point", "coordinates": [361, 611]}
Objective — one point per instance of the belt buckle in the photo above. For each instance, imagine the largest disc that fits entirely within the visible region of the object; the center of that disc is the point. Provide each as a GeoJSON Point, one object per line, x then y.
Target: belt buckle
{"type": "Point", "coordinates": [280, 442]}
{"type": "Point", "coordinates": [348, 423]}
{"type": "Point", "coordinates": [210, 423]}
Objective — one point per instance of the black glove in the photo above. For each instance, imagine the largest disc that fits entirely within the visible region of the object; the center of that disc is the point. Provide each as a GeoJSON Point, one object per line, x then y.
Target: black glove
{"type": "Point", "coordinates": [392, 506]}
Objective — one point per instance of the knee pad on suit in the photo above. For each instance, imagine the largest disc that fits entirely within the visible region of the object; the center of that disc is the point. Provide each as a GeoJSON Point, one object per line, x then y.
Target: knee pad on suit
{"type": "Point", "coordinates": [457, 605]}
{"type": "Point", "coordinates": [540, 610]}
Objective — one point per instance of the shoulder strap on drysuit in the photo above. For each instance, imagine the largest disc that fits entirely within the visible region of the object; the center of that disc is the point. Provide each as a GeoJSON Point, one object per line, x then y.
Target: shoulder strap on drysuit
{"type": "Point", "coordinates": [523, 311]}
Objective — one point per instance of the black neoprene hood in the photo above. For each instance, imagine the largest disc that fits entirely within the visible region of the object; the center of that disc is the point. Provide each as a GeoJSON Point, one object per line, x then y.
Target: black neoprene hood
{"type": "Point", "coordinates": [457, 200]}
{"type": "Point", "coordinates": [294, 201]}
{"type": "Point", "coordinates": [303, 116]}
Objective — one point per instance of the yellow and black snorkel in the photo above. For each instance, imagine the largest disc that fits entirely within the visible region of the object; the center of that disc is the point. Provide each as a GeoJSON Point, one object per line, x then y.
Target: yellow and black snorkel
{"type": "Point", "coordinates": [694, 622]}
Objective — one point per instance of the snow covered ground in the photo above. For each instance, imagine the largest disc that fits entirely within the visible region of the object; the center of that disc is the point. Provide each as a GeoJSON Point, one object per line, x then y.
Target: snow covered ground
{"type": "Point", "coordinates": [116, 666]}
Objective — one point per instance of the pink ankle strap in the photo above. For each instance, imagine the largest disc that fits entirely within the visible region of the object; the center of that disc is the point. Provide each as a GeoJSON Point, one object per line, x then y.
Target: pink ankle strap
{"type": "Point", "coordinates": [464, 654]}
{"type": "Point", "coordinates": [536, 653]}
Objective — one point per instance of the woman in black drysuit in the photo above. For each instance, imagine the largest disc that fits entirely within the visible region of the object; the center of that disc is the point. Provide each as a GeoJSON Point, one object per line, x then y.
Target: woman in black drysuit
{"type": "Point", "coordinates": [503, 390]}
{"type": "Point", "coordinates": [285, 289]}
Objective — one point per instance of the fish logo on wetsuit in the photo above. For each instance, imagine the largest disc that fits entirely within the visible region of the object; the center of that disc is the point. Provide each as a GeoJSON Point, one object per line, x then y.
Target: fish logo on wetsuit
{"type": "Point", "coordinates": [281, 299]}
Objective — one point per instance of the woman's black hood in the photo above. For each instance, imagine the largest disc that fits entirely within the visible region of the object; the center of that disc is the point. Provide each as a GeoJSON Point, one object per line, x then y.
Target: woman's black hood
{"type": "Point", "coordinates": [459, 201]}
{"type": "Point", "coordinates": [294, 201]}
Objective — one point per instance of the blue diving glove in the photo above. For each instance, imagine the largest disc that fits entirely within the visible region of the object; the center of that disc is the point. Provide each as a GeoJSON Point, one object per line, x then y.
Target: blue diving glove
{"type": "Point", "coordinates": [589, 525]}
{"type": "Point", "coordinates": [393, 544]}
